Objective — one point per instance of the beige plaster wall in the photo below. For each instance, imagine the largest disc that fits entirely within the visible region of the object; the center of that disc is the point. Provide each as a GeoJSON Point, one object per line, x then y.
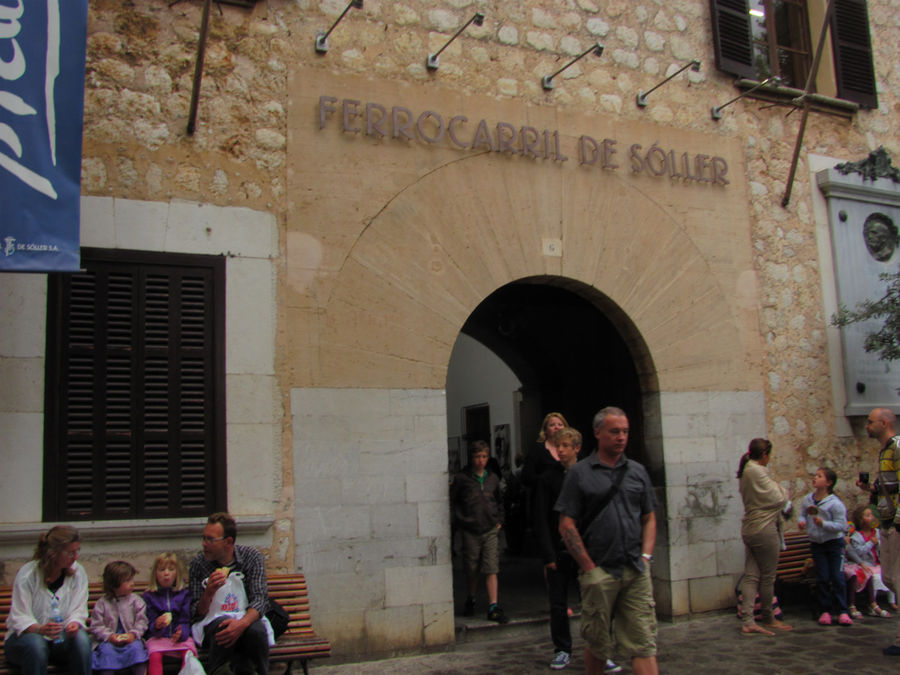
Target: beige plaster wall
{"type": "Point", "coordinates": [414, 235]}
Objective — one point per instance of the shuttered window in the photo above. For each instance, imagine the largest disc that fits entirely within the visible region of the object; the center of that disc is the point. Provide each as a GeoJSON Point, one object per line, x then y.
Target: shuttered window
{"type": "Point", "coordinates": [134, 415]}
{"type": "Point", "coordinates": [756, 39]}
{"type": "Point", "coordinates": [853, 53]}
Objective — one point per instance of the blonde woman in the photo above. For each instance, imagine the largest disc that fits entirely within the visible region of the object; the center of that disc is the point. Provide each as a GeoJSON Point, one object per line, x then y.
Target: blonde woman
{"type": "Point", "coordinates": [47, 620]}
{"type": "Point", "coordinates": [544, 455]}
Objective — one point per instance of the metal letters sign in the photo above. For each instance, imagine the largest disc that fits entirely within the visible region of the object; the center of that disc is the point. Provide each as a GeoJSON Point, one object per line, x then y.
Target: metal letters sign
{"type": "Point", "coordinates": [42, 56]}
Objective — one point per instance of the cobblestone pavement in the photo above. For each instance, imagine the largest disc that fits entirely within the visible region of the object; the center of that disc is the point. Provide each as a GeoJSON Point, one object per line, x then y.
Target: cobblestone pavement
{"type": "Point", "coordinates": [710, 644]}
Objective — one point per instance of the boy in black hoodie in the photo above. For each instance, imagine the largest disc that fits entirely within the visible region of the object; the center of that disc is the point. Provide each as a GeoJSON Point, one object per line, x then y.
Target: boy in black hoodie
{"type": "Point", "coordinates": [478, 512]}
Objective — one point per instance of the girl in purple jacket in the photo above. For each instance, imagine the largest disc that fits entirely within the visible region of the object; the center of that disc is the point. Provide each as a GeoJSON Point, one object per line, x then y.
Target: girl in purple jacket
{"type": "Point", "coordinates": [168, 612]}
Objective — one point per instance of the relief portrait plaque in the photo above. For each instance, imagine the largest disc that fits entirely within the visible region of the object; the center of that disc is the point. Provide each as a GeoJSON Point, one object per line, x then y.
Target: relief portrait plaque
{"type": "Point", "coordinates": [864, 221]}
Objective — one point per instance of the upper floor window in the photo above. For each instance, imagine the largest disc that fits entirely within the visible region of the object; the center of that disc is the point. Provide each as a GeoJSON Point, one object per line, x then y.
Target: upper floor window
{"type": "Point", "coordinates": [756, 39]}
{"type": "Point", "coordinates": [135, 413]}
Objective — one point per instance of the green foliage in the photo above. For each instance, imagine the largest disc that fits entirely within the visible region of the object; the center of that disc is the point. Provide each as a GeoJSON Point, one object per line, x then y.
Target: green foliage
{"type": "Point", "coordinates": [886, 340]}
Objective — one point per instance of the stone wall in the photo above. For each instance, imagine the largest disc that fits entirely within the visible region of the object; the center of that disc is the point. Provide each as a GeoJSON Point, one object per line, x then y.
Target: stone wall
{"type": "Point", "coordinates": [140, 65]}
{"type": "Point", "coordinates": [768, 358]}
{"type": "Point", "coordinates": [372, 516]}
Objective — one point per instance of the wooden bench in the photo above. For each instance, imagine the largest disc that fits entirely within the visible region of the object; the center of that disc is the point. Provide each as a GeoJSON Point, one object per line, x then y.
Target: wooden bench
{"type": "Point", "coordinates": [299, 642]}
{"type": "Point", "coordinates": [795, 562]}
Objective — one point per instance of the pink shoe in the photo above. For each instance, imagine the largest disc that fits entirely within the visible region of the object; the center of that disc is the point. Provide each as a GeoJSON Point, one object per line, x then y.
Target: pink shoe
{"type": "Point", "coordinates": [825, 619]}
{"type": "Point", "coordinates": [845, 620]}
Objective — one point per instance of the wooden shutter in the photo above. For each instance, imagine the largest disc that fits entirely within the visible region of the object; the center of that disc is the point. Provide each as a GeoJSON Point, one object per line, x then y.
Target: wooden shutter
{"type": "Point", "coordinates": [733, 37]}
{"type": "Point", "coordinates": [854, 70]}
{"type": "Point", "coordinates": [135, 407]}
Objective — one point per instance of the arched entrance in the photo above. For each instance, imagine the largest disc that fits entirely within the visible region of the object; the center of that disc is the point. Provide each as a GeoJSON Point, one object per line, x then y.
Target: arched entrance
{"type": "Point", "coordinates": [566, 348]}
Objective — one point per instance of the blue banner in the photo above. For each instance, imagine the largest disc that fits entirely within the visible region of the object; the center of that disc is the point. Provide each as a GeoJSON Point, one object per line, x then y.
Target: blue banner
{"type": "Point", "coordinates": [42, 56]}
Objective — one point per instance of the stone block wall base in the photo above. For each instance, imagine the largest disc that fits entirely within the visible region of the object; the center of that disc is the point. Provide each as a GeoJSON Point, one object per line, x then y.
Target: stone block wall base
{"type": "Point", "coordinates": [372, 526]}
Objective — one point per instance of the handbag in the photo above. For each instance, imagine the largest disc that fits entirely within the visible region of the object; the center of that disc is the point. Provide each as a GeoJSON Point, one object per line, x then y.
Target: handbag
{"type": "Point", "coordinates": [278, 617]}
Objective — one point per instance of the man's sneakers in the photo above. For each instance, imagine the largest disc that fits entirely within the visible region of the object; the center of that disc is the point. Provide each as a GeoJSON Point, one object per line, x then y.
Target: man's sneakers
{"type": "Point", "coordinates": [495, 613]}
{"type": "Point", "coordinates": [560, 661]}
{"type": "Point", "coordinates": [893, 650]}
{"type": "Point", "coordinates": [469, 607]}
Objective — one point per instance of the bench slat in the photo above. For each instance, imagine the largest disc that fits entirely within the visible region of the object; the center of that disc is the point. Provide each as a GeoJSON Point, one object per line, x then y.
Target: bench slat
{"type": "Point", "coordinates": [792, 562]}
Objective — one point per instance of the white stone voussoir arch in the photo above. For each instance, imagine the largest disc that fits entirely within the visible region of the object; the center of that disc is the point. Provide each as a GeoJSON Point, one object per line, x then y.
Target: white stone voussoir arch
{"type": "Point", "coordinates": [444, 243]}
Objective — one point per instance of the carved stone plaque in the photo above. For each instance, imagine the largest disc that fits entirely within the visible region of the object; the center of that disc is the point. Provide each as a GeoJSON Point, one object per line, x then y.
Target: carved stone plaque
{"type": "Point", "coordinates": [864, 219]}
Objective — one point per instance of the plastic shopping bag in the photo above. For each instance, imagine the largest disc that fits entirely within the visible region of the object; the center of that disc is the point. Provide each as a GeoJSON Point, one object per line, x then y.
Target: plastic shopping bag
{"type": "Point", "coordinates": [192, 665]}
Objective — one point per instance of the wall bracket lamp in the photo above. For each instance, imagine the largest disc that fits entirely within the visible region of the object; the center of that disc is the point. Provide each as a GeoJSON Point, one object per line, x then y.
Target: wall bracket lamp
{"type": "Point", "coordinates": [641, 98]}
{"type": "Point", "coordinates": [716, 111]}
{"type": "Point", "coordinates": [322, 38]}
{"type": "Point", "coordinates": [547, 80]}
{"type": "Point", "coordinates": [433, 60]}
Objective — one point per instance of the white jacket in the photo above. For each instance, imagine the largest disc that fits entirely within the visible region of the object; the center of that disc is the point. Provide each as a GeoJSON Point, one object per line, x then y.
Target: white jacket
{"type": "Point", "coordinates": [31, 599]}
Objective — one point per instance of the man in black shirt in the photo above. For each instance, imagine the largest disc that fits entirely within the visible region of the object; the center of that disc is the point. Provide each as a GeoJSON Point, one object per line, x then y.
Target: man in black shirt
{"type": "Point", "coordinates": [608, 524]}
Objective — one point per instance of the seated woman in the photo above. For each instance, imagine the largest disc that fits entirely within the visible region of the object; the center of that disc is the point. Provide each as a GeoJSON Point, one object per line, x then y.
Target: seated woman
{"type": "Point", "coordinates": [48, 616]}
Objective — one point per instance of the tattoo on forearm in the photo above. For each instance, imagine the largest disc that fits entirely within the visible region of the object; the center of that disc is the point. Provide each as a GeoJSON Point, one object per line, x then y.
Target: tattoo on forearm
{"type": "Point", "coordinates": [574, 543]}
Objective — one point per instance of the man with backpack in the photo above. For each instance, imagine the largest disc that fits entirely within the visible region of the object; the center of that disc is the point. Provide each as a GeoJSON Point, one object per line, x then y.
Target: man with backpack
{"type": "Point", "coordinates": [881, 425]}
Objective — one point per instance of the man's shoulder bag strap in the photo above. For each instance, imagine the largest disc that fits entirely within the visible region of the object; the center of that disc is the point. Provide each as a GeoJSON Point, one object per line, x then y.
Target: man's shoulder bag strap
{"type": "Point", "coordinates": [601, 502]}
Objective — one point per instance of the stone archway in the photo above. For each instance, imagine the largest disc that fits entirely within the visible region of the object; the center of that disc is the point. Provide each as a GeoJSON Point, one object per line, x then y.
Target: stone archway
{"type": "Point", "coordinates": [376, 346]}
{"type": "Point", "coordinates": [562, 354]}
{"type": "Point", "coordinates": [441, 245]}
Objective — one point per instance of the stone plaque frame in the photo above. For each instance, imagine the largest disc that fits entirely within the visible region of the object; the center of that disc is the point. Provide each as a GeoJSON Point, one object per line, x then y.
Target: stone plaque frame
{"type": "Point", "coordinates": [864, 221]}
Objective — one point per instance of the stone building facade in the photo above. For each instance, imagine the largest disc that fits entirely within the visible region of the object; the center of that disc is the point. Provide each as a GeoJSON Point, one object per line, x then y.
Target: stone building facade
{"type": "Point", "coordinates": [365, 205]}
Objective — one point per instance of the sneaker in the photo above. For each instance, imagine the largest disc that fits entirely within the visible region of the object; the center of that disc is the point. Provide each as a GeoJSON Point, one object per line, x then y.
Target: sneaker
{"type": "Point", "coordinates": [560, 661]}
{"type": "Point", "coordinates": [845, 620]}
{"type": "Point", "coordinates": [495, 613]}
{"type": "Point", "coordinates": [893, 650]}
{"type": "Point", "coordinates": [875, 610]}
{"type": "Point", "coordinates": [855, 613]}
{"type": "Point", "coordinates": [825, 619]}
{"type": "Point", "coordinates": [469, 607]}
{"type": "Point", "coordinates": [612, 667]}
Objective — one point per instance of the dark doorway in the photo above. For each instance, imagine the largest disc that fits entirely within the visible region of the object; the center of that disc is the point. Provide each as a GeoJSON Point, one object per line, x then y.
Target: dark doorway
{"type": "Point", "coordinates": [478, 423]}
{"type": "Point", "coordinates": [574, 352]}
{"type": "Point", "coordinates": [567, 352]}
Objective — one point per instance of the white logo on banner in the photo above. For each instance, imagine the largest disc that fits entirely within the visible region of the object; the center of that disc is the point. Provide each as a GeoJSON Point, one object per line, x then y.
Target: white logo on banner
{"type": "Point", "coordinates": [14, 69]}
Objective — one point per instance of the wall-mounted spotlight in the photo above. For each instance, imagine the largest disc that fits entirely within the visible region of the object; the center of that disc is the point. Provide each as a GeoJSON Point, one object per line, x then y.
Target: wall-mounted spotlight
{"type": "Point", "coordinates": [433, 60]}
{"type": "Point", "coordinates": [547, 80]}
{"type": "Point", "coordinates": [322, 38]}
{"type": "Point", "coordinates": [716, 111]}
{"type": "Point", "coordinates": [641, 98]}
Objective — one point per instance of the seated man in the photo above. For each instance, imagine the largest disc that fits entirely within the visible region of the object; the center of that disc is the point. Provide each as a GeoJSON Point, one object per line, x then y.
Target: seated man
{"type": "Point", "coordinates": [239, 645]}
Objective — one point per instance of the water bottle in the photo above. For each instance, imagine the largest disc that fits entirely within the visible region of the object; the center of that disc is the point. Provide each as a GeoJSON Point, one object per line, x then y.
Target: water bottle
{"type": "Point", "coordinates": [56, 617]}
